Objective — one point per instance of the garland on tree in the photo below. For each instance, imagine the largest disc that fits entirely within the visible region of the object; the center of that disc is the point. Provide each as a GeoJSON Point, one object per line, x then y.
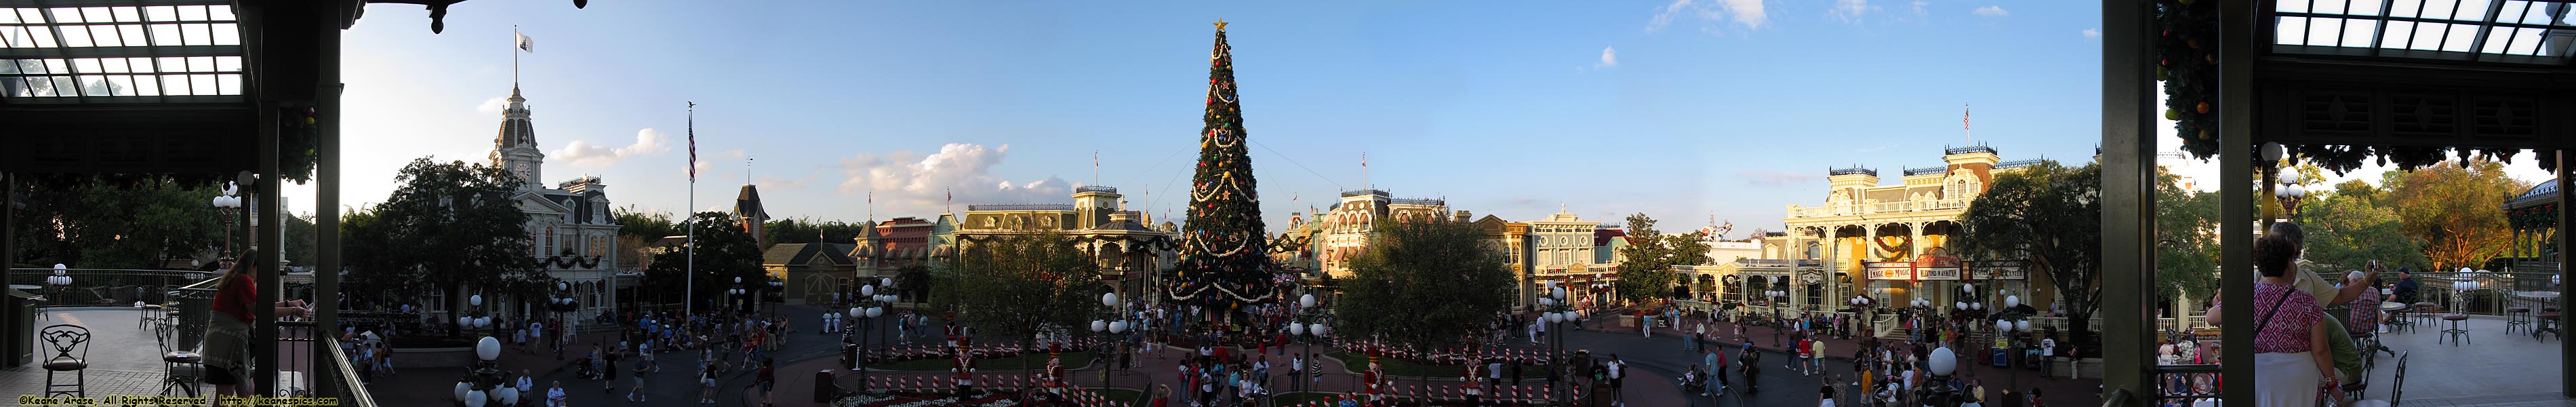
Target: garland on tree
{"type": "Point", "coordinates": [2187, 63]}
{"type": "Point", "coordinates": [1225, 257]}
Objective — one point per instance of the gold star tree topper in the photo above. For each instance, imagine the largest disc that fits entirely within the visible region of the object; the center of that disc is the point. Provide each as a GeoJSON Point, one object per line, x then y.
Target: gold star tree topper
{"type": "Point", "coordinates": [1220, 24]}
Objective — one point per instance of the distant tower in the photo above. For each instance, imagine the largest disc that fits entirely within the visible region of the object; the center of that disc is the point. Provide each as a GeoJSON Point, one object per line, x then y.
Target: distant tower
{"type": "Point", "coordinates": [1093, 204]}
{"type": "Point", "coordinates": [515, 149]}
{"type": "Point", "coordinates": [749, 215]}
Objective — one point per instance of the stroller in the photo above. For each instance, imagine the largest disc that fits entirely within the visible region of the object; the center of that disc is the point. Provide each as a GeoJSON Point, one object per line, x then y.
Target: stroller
{"type": "Point", "coordinates": [1693, 381]}
{"type": "Point", "coordinates": [586, 371]}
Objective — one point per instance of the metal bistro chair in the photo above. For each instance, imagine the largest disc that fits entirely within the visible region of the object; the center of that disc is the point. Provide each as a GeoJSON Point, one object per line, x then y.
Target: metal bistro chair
{"type": "Point", "coordinates": [2547, 322]}
{"type": "Point", "coordinates": [66, 339]}
{"type": "Point", "coordinates": [2457, 332]}
{"type": "Point", "coordinates": [2425, 311]}
{"type": "Point", "coordinates": [151, 315]}
{"type": "Point", "coordinates": [2518, 317]}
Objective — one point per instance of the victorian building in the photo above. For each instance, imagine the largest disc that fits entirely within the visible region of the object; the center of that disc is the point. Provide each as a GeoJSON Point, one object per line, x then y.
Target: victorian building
{"type": "Point", "coordinates": [1130, 250]}
{"type": "Point", "coordinates": [569, 227]}
{"type": "Point", "coordinates": [1342, 231]}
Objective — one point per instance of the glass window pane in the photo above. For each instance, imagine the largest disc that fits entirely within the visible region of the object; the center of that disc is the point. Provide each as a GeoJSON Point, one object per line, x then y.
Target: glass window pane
{"type": "Point", "coordinates": [96, 15]}
{"type": "Point", "coordinates": [171, 64]}
{"type": "Point", "coordinates": [56, 66]}
{"type": "Point", "coordinates": [9, 16]}
{"type": "Point", "coordinates": [64, 86]}
{"type": "Point", "coordinates": [132, 34]}
{"type": "Point", "coordinates": [8, 66]}
{"type": "Point", "coordinates": [64, 14]}
{"type": "Point", "coordinates": [2291, 31]}
{"type": "Point", "coordinates": [2438, 8]}
{"type": "Point", "coordinates": [228, 64]}
{"type": "Point", "coordinates": [128, 15]}
{"type": "Point", "coordinates": [2356, 33]}
{"type": "Point", "coordinates": [74, 36]}
{"type": "Point", "coordinates": [2496, 39]}
{"type": "Point", "coordinates": [2325, 31]}
{"type": "Point", "coordinates": [44, 37]}
{"type": "Point", "coordinates": [201, 84]}
{"type": "Point", "coordinates": [2363, 7]}
{"type": "Point", "coordinates": [220, 12]}
{"type": "Point", "coordinates": [192, 13]}
{"type": "Point", "coordinates": [94, 85]}
{"type": "Point", "coordinates": [2294, 6]}
{"type": "Point", "coordinates": [2512, 12]}
{"type": "Point", "coordinates": [15, 37]}
{"type": "Point", "coordinates": [2471, 10]}
{"type": "Point", "coordinates": [146, 86]}
{"type": "Point", "coordinates": [2395, 36]}
{"type": "Point", "coordinates": [201, 64]}
{"type": "Point", "coordinates": [114, 65]}
{"type": "Point", "coordinates": [139, 65]}
{"type": "Point", "coordinates": [174, 84]}
{"type": "Point", "coordinates": [160, 13]}
{"type": "Point", "coordinates": [228, 84]}
{"type": "Point", "coordinates": [31, 16]}
{"type": "Point", "coordinates": [85, 65]}
{"type": "Point", "coordinates": [196, 34]}
{"type": "Point", "coordinates": [105, 36]}
{"type": "Point", "coordinates": [227, 34]}
{"type": "Point", "coordinates": [11, 86]}
{"type": "Point", "coordinates": [124, 85]}
{"type": "Point", "coordinates": [2460, 38]}
{"type": "Point", "coordinates": [164, 35]}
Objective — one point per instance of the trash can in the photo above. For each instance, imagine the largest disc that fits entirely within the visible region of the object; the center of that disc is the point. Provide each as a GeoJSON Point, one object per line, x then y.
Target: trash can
{"type": "Point", "coordinates": [823, 389]}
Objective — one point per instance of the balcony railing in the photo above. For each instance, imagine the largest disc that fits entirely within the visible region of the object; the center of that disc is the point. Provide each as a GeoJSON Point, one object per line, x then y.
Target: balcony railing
{"type": "Point", "coordinates": [1096, 188]}
{"type": "Point", "coordinates": [1876, 208]}
{"type": "Point", "coordinates": [1020, 207]}
{"type": "Point", "coordinates": [1420, 202]}
{"type": "Point", "coordinates": [105, 286]}
{"type": "Point", "coordinates": [1853, 171]}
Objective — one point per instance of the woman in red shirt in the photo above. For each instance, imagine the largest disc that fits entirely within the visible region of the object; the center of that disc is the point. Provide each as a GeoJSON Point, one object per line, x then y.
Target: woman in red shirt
{"type": "Point", "coordinates": [228, 327]}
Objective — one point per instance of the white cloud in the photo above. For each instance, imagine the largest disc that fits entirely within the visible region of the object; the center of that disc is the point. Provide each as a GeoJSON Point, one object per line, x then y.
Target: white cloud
{"type": "Point", "coordinates": [1746, 12]}
{"type": "Point", "coordinates": [647, 141]}
{"type": "Point", "coordinates": [1991, 11]}
{"type": "Point", "coordinates": [2092, 33]}
{"type": "Point", "coordinates": [493, 106]}
{"type": "Point", "coordinates": [1850, 11]}
{"type": "Point", "coordinates": [1609, 58]}
{"type": "Point", "coordinates": [911, 182]}
{"type": "Point", "coordinates": [1918, 7]}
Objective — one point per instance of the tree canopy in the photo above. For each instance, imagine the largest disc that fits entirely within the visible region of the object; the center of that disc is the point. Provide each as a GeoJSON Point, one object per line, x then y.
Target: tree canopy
{"type": "Point", "coordinates": [2049, 216]}
{"type": "Point", "coordinates": [724, 252]}
{"type": "Point", "coordinates": [1020, 286]}
{"type": "Point", "coordinates": [1424, 283]}
{"type": "Point", "coordinates": [2455, 210]}
{"type": "Point", "coordinates": [449, 226]}
{"type": "Point", "coordinates": [2186, 239]}
{"type": "Point", "coordinates": [1647, 265]}
{"type": "Point", "coordinates": [95, 225]}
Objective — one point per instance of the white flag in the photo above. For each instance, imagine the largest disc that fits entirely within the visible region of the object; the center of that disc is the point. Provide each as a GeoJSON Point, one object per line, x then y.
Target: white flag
{"type": "Point", "coordinates": [526, 44]}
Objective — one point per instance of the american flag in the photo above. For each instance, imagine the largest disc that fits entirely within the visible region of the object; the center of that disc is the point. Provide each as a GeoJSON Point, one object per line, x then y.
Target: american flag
{"type": "Point", "coordinates": [693, 141]}
{"type": "Point", "coordinates": [1963, 118]}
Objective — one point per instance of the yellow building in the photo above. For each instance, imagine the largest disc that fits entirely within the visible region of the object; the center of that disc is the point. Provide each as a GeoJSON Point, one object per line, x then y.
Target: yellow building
{"type": "Point", "coordinates": [1887, 241]}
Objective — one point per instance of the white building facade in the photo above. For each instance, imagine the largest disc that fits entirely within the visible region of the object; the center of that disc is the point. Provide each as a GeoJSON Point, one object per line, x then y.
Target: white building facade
{"type": "Point", "coordinates": [572, 235]}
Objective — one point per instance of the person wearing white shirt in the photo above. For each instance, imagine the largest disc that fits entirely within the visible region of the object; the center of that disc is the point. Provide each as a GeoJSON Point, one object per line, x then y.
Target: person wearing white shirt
{"type": "Point", "coordinates": [2047, 356]}
{"type": "Point", "coordinates": [525, 384]}
{"type": "Point", "coordinates": [555, 395]}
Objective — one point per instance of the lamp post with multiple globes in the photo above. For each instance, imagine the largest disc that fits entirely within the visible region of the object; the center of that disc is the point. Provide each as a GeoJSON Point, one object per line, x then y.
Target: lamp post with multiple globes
{"type": "Point", "coordinates": [562, 304]}
{"type": "Point", "coordinates": [870, 305]}
{"type": "Point", "coordinates": [1307, 331]}
{"type": "Point", "coordinates": [1556, 315]}
{"type": "Point", "coordinates": [1103, 328]}
{"type": "Point", "coordinates": [736, 295]}
{"type": "Point", "coordinates": [2012, 323]}
{"type": "Point", "coordinates": [61, 282]}
{"type": "Point", "coordinates": [482, 385]}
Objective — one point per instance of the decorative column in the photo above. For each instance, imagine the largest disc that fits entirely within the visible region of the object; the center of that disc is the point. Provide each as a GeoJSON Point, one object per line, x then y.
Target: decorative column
{"type": "Point", "coordinates": [1914, 252]}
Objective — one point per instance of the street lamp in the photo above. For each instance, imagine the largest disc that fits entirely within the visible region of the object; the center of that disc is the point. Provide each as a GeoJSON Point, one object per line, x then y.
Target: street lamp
{"type": "Point", "coordinates": [1557, 314]}
{"type": "Point", "coordinates": [62, 282]}
{"type": "Point", "coordinates": [482, 385]}
{"type": "Point", "coordinates": [1943, 362]}
{"type": "Point", "coordinates": [228, 203]}
{"type": "Point", "coordinates": [1102, 328]}
{"type": "Point", "coordinates": [562, 303]}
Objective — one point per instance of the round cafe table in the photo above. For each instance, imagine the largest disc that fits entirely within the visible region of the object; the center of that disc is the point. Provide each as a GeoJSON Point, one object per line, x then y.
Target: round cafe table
{"type": "Point", "coordinates": [2391, 306]}
{"type": "Point", "coordinates": [2397, 315]}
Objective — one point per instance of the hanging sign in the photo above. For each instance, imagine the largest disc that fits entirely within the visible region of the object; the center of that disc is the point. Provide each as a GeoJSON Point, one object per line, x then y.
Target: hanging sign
{"type": "Point", "coordinates": [1998, 270]}
{"type": "Point", "coordinates": [1888, 270]}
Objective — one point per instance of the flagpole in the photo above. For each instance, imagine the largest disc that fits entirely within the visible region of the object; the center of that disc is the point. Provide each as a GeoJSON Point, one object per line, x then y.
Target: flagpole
{"type": "Point", "coordinates": [514, 55]}
{"type": "Point", "coordinates": [690, 275]}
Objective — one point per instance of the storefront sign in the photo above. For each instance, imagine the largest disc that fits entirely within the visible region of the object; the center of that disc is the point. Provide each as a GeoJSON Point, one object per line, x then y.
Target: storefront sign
{"type": "Point", "coordinates": [1888, 270]}
{"type": "Point", "coordinates": [1998, 270]}
{"type": "Point", "coordinates": [1937, 273]}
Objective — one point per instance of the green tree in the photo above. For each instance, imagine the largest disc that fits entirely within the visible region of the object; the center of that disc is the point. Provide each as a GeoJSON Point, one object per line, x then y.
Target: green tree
{"type": "Point", "coordinates": [809, 230]}
{"type": "Point", "coordinates": [2049, 216]}
{"type": "Point", "coordinates": [724, 253]}
{"type": "Point", "coordinates": [1439, 269]}
{"type": "Point", "coordinates": [2455, 211]}
{"type": "Point", "coordinates": [1448, 283]}
{"type": "Point", "coordinates": [648, 225]}
{"type": "Point", "coordinates": [1021, 286]}
{"type": "Point", "coordinates": [914, 282]}
{"type": "Point", "coordinates": [450, 226]}
{"type": "Point", "coordinates": [1647, 270]}
{"type": "Point", "coordinates": [2186, 244]}
{"type": "Point", "coordinates": [143, 225]}
{"type": "Point", "coordinates": [2347, 230]}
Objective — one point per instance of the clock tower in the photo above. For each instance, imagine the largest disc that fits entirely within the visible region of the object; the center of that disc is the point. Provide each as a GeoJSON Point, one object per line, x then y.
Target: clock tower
{"type": "Point", "coordinates": [515, 149]}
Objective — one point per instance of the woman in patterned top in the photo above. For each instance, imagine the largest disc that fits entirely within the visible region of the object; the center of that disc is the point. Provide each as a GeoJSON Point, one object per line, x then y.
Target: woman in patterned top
{"type": "Point", "coordinates": [2289, 359]}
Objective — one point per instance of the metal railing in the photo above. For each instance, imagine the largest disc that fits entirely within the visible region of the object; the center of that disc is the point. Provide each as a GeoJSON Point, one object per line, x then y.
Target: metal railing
{"type": "Point", "coordinates": [1926, 170]}
{"type": "Point", "coordinates": [1420, 202]}
{"type": "Point", "coordinates": [348, 386]}
{"type": "Point", "coordinates": [1876, 208]}
{"type": "Point", "coordinates": [2184, 384]}
{"type": "Point", "coordinates": [105, 286]}
{"type": "Point", "coordinates": [1853, 170]}
{"type": "Point", "coordinates": [2497, 291]}
{"type": "Point", "coordinates": [1095, 188]}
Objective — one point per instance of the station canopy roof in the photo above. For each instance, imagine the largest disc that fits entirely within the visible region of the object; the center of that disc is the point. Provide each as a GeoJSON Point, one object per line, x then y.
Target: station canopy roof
{"type": "Point", "coordinates": [120, 52]}
{"type": "Point", "coordinates": [2487, 31]}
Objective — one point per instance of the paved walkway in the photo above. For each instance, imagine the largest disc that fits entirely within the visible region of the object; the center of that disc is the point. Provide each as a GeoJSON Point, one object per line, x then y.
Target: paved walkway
{"type": "Point", "coordinates": [2493, 362]}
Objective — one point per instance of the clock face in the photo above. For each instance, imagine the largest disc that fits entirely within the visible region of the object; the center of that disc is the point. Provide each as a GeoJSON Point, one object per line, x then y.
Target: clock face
{"type": "Point", "coordinates": [523, 169]}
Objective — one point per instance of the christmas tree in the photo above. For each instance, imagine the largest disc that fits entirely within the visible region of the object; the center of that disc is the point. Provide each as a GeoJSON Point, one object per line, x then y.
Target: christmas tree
{"type": "Point", "coordinates": [1225, 260]}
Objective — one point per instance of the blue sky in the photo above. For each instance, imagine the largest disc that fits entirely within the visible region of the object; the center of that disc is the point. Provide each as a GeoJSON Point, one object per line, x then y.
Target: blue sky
{"type": "Point", "coordinates": [1679, 110]}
